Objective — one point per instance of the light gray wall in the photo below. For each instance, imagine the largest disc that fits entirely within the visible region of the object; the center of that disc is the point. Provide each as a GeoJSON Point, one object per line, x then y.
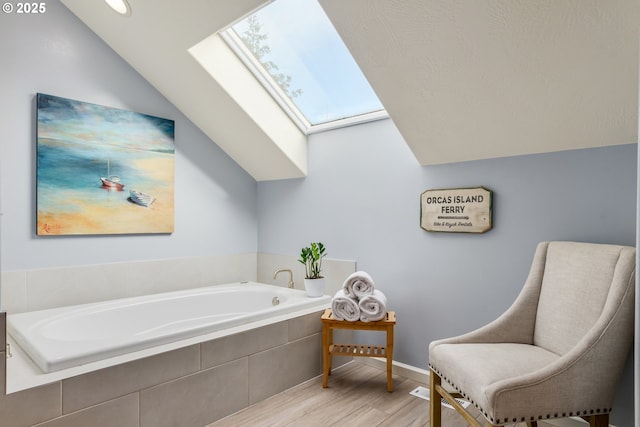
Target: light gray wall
{"type": "Point", "coordinates": [361, 196]}
{"type": "Point", "coordinates": [54, 53]}
{"type": "Point", "coordinates": [362, 199]}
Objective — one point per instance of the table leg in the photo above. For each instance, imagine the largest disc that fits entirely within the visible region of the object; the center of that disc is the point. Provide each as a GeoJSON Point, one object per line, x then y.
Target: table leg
{"type": "Point", "coordinates": [326, 362]}
{"type": "Point", "coordinates": [389, 352]}
{"type": "Point", "coordinates": [329, 352]}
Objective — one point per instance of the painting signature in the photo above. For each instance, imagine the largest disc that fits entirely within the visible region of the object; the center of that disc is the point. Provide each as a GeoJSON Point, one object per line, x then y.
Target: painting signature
{"type": "Point", "coordinates": [51, 228]}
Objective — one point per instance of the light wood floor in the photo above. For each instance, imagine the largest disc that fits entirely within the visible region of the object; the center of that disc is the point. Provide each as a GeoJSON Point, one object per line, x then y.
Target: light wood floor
{"type": "Point", "coordinates": [357, 396]}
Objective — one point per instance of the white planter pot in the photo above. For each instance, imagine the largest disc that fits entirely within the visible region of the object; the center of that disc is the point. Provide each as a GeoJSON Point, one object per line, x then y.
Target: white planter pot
{"type": "Point", "coordinates": [314, 287]}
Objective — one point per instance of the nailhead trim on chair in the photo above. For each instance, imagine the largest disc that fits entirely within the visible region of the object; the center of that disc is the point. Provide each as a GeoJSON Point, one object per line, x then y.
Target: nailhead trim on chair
{"type": "Point", "coordinates": [515, 419]}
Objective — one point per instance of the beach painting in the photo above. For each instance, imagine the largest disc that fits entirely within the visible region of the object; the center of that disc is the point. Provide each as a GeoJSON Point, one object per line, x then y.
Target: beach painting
{"type": "Point", "coordinates": [102, 170]}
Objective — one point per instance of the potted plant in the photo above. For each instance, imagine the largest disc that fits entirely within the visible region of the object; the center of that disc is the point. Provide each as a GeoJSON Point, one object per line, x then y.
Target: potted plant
{"type": "Point", "coordinates": [311, 256]}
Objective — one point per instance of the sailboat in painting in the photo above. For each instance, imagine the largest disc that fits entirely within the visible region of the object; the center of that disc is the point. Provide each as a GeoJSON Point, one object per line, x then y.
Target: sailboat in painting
{"type": "Point", "coordinates": [141, 198]}
{"type": "Point", "coordinates": [111, 181]}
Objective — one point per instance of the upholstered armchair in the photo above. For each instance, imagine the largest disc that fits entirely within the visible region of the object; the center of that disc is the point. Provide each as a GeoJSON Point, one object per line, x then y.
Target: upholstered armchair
{"type": "Point", "coordinates": [558, 351]}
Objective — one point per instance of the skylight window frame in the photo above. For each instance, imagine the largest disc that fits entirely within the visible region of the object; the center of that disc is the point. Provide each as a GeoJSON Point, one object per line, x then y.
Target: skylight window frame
{"type": "Point", "coordinates": [232, 39]}
{"type": "Point", "coordinates": [253, 65]}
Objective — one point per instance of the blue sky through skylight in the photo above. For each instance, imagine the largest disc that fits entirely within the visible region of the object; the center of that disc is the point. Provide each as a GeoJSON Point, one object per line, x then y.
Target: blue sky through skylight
{"type": "Point", "coordinates": [304, 45]}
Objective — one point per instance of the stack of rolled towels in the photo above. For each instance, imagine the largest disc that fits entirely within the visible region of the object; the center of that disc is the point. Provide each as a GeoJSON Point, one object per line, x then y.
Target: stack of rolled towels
{"type": "Point", "coordinates": [359, 300]}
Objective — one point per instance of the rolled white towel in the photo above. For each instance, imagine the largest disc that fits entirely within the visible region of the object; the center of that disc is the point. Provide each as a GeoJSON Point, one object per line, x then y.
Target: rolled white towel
{"type": "Point", "coordinates": [373, 307]}
{"type": "Point", "coordinates": [358, 284]}
{"type": "Point", "coordinates": [344, 307]}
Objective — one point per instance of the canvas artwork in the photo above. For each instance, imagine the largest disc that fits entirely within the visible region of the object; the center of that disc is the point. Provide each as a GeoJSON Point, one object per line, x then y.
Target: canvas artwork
{"type": "Point", "coordinates": [102, 170]}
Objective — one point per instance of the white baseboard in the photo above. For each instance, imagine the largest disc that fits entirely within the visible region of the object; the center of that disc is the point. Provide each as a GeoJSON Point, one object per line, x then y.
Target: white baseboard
{"type": "Point", "coordinates": [407, 371]}
{"type": "Point", "coordinates": [422, 375]}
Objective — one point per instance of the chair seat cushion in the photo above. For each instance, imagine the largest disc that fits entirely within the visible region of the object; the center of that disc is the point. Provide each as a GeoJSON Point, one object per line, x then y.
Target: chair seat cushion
{"type": "Point", "coordinates": [476, 370]}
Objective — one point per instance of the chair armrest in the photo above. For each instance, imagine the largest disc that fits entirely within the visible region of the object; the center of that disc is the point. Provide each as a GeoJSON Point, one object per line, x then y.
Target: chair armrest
{"type": "Point", "coordinates": [593, 367]}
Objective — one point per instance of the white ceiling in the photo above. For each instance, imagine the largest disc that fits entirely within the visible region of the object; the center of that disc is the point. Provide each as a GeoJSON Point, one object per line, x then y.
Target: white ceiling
{"type": "Point", "coordinates": [461, 80]}
{"type": "Point", "coordinates": [472, 79]}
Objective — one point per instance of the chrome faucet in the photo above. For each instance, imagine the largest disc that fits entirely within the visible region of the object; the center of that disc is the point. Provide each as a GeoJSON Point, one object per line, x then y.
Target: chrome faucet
{"type": "Point", "coordinates": [290, 276]}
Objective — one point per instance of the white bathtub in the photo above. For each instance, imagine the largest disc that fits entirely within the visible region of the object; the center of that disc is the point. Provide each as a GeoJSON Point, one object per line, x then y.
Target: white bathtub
{"type": "Point", "coordinates": [63, 337]}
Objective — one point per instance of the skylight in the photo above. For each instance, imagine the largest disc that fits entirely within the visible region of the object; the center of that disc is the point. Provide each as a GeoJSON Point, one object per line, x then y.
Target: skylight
{"type": "Point", "coordinates": [301, 59]}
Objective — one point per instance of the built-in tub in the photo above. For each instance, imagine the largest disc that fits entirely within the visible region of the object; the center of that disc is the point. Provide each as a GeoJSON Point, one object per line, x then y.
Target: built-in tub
{"type": "Point", "coordinates": [63, 337]}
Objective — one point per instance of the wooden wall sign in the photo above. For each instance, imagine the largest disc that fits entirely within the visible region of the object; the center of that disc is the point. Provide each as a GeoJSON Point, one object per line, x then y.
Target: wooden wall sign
{"type": "Point", "coordinates": [457, 210]}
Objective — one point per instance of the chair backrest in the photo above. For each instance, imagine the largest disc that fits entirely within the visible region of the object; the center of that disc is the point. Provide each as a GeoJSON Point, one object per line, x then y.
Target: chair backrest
{"type": "Point", "coordinates": [581, 285]}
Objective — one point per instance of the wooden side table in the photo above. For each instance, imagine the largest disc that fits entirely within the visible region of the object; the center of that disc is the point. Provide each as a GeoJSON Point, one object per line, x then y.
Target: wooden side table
{"type": "Point", "coordinates": [329, 349]}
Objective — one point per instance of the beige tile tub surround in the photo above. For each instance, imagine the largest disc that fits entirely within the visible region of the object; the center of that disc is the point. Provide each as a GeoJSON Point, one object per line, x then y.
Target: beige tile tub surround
{"type": "Point", "coordinates": [196, 399]}
{"type": "Point", "coordinates": [121, 412]}
{"type": "Point", "coordinates": [232, 347]}
{"type": "Point", "coordinates": [201, 382]}
{"type": "Point", "coordinates": [280, 368]}
{"type": "Point", "coordinates": [335, 271]}
{"type": "Point", "coordinates": [195, 385]}
{"type": "Point", "coordinates": [28, 407]}
{"type": "Point", "coordinates": [56, 287]}
{"type": "Point", "coordinates": [100, 386]}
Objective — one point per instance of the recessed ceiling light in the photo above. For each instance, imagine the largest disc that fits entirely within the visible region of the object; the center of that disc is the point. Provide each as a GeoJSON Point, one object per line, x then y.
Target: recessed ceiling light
{"type": "Point", "coordinates": [120, 6]}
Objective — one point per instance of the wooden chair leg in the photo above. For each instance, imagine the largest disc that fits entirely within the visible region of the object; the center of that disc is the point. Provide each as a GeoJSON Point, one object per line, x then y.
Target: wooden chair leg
{"type": "Point", "coordinates": [601, 420]}
{"type": "Point", "coordinates": [435, 401]}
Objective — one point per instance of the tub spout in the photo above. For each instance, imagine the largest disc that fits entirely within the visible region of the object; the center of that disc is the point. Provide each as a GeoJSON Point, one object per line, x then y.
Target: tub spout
{"type": "Point", "coordinates": [290, 276]}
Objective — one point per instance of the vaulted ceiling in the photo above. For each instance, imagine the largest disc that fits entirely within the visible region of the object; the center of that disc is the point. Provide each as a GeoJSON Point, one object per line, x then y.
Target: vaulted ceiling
{"type": "Point", "coordinates": [461, 80]}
